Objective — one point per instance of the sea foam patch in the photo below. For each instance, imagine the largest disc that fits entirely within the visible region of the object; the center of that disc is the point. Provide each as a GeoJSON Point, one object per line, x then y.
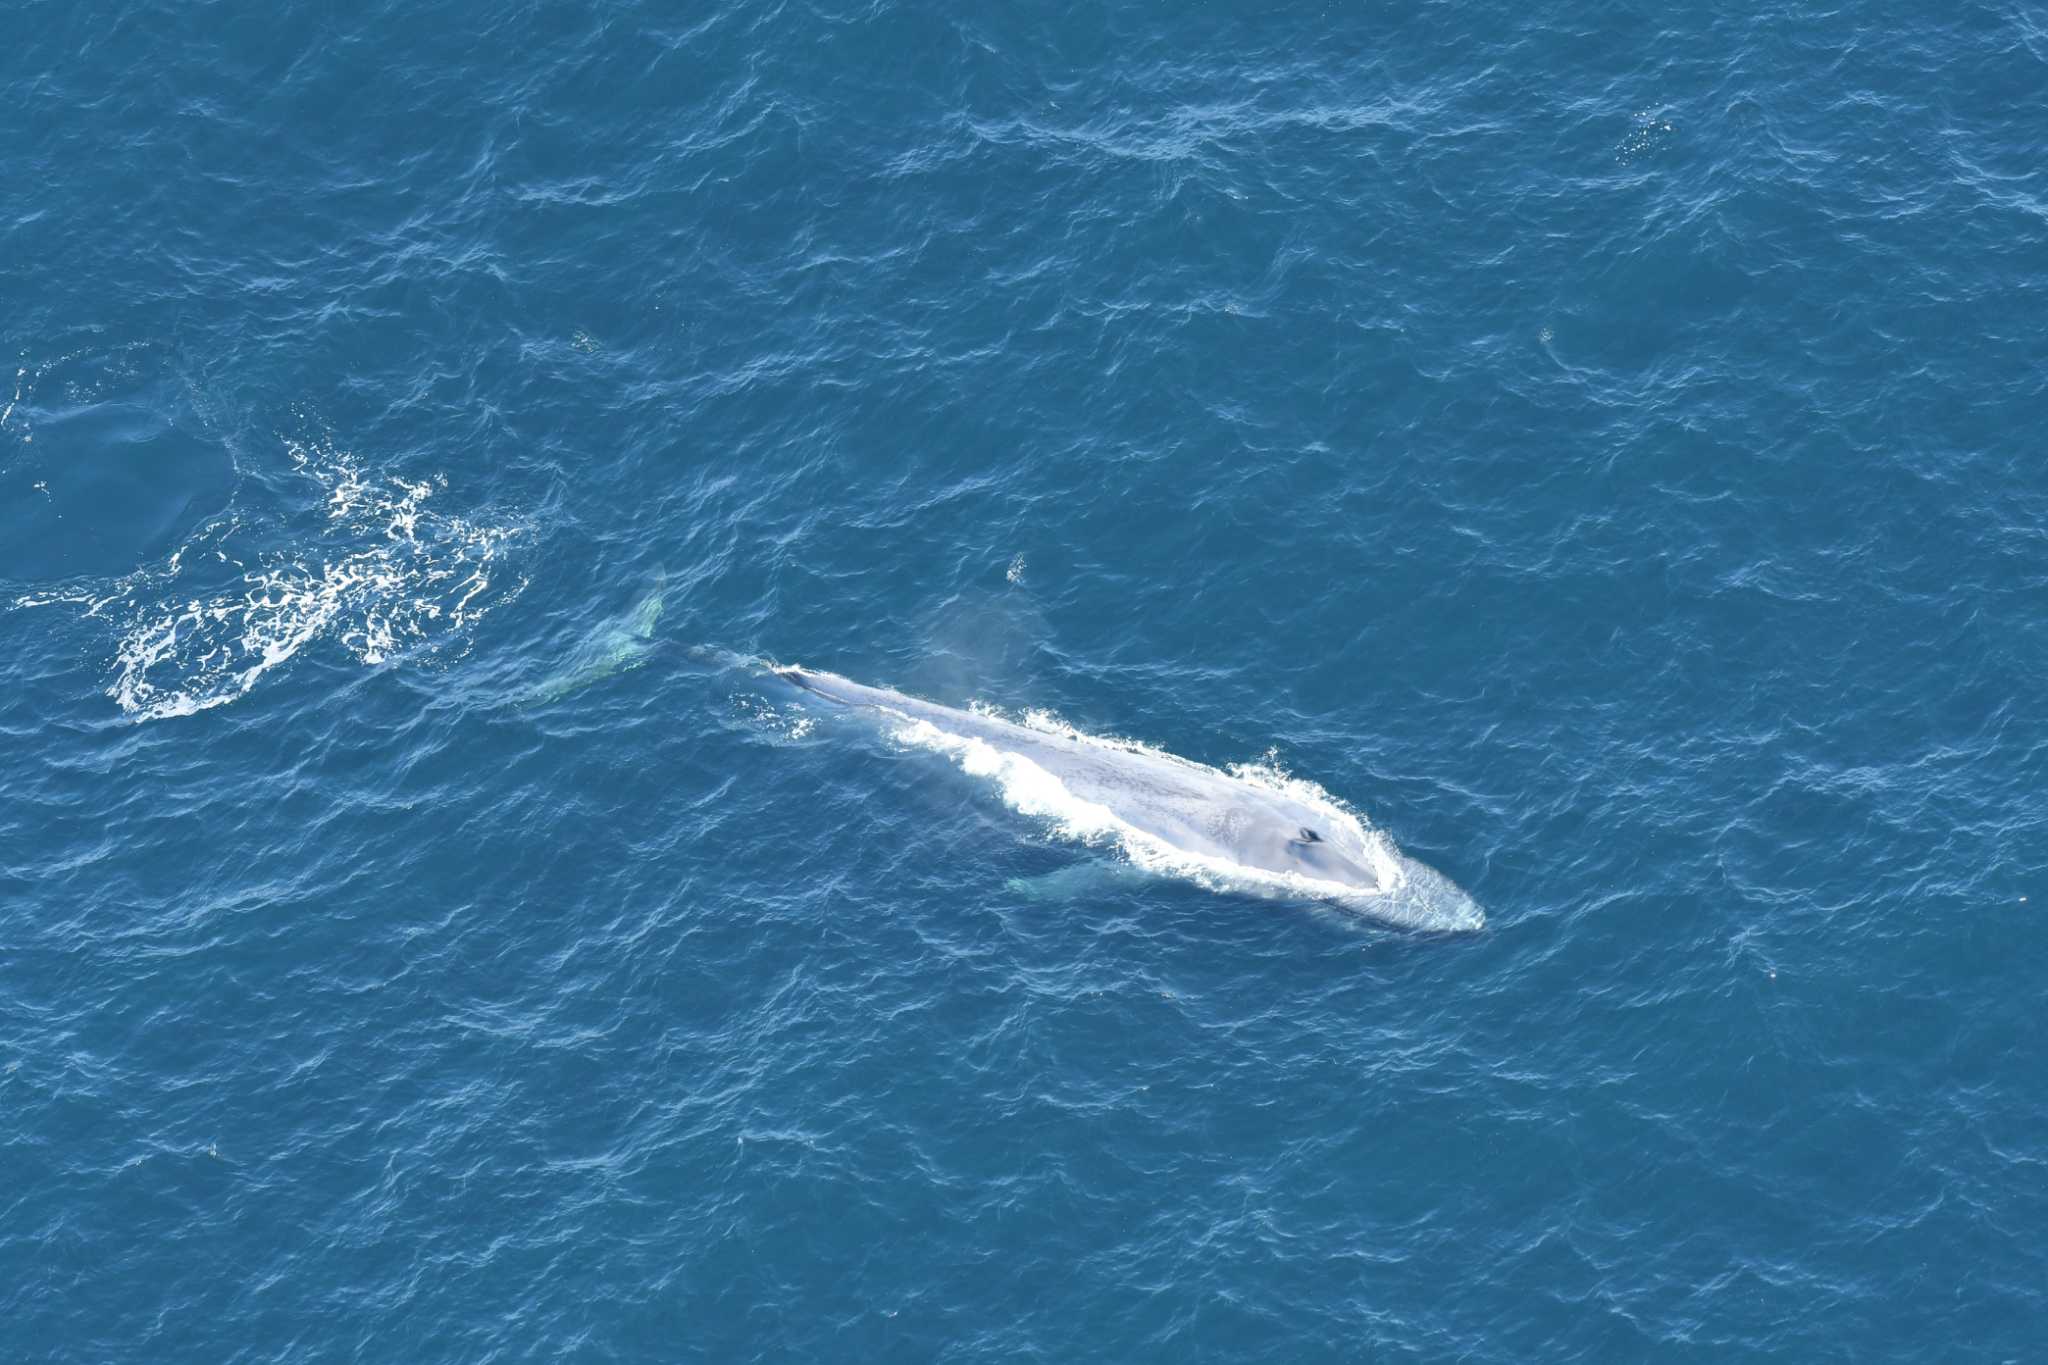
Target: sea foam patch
{"type": "Point", "coordinates": [385, 573]}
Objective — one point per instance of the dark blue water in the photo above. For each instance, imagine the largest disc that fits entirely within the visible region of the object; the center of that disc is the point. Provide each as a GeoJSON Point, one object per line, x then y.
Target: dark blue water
{"type": "Point", "coordinates": [1601, 444]}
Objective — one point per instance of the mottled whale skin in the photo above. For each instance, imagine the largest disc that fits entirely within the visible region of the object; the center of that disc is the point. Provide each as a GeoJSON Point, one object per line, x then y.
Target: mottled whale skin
{"type": "Point", "coordinates": [1219, 819]}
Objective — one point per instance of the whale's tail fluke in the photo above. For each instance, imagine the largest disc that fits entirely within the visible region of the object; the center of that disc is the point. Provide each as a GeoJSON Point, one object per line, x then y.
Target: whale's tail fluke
{"type": "Point", "coordinates": [647, 613]}
{"type": "Point", "coordinates": [617, 644]}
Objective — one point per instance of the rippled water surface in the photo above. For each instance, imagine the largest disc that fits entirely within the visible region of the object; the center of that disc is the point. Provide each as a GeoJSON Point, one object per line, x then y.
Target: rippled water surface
{"type": "Point", "coordinates": [1599, 446]}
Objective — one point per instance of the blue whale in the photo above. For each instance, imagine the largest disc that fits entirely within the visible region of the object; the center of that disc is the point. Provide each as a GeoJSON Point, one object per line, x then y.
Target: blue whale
{"type": "Point", "coordinates": [1245, 831]}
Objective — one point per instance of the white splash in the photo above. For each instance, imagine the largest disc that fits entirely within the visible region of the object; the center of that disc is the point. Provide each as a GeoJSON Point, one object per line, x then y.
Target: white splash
{"type": "Point", "coordinates": [389, 573]}
{"type": "Point", "coordinates": [792, 723]}
{"type": "Point", "coordinates": [1015, 573]}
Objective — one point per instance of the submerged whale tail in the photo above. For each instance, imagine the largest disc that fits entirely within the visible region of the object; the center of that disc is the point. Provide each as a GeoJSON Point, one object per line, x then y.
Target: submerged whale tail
{"type": "Point", "coordinates": [647, 613]}
{"type": "Point", "coordinates": [617, 644]}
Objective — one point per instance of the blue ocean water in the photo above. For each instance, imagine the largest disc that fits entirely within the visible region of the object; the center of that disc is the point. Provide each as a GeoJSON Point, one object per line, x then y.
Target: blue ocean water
{"type": "Point", "coordinates": [1599, 443]}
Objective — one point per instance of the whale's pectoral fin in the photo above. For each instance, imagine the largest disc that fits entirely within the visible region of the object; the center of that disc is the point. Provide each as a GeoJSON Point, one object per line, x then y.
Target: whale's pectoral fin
{"type": "Point", "coordinates": [1094, 877]}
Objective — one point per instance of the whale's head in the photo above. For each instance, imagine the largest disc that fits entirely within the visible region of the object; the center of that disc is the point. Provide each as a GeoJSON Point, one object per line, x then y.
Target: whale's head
{"type": "Point", "coordinates": [1427, 899]}
{"type": "Point", "coordinates": [1369, 874]}
{"type": "Point", "coordinates": [1392, 887]}
{"type": "Point", "coordinates": [1336, 855]}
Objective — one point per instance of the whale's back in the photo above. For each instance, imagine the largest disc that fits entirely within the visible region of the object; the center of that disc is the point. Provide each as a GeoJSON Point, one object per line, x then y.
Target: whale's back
{"type": "Point", "coordinates": [1219, 823]}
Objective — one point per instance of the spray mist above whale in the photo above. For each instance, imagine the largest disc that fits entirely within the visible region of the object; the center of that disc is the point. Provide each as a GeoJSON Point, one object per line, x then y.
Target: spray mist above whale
{"type": "Point", "coordinates": [1242, 831]}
